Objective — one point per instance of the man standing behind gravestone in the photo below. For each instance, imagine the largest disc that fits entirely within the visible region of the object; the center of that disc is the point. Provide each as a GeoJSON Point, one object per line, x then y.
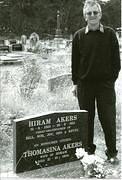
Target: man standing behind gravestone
{"type": "Point", "coordinates": [95, 68]}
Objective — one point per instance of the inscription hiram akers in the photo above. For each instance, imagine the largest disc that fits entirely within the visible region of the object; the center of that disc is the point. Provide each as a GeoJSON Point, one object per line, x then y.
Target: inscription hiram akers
{"type": "Point", "coordinates": [48, 139]}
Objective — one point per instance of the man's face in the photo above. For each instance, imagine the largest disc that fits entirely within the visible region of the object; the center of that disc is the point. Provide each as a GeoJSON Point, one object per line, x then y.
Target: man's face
{"type": "Point", "coordinates": [93, 15]}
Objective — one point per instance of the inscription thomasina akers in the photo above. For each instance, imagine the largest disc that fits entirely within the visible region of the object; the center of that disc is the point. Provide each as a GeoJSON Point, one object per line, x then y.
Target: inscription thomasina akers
{"type": "Point", "coordinates": [48, 139]}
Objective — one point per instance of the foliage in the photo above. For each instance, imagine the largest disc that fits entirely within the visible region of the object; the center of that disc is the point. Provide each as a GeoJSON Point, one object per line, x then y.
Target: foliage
{"type": "Point", "coordinates": [30, 79]}
{"type": "Point", "coordinates": [27, 16]}
{"type": "Point", "coordinates": [11, 104]}
{"type": "Point", "coordinates": [112, 13]}
{"type": "Point", "coordinates": [92, 165]}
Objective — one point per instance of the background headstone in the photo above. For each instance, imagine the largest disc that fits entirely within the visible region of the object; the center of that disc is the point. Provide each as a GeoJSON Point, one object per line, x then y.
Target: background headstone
{"type": "Point", "coordinates": [12, 41]}
{"type": "Point", "coordinates": [1, 42]}
{"type": "Point", "coordinates": [4, 48]}
{"type": "Point", "coordinates": [17, 47]}
{"type": "Point", "coordinates": [61, 81]}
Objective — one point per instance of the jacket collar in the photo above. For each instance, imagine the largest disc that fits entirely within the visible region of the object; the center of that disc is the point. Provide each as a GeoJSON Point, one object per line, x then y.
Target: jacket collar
{"type": "Point", "coordinates": [101, 28]}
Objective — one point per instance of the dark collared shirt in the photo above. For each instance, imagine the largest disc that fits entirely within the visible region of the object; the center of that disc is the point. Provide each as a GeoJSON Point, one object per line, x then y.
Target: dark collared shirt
{"type": "Point", "coordinates": [95, 55]}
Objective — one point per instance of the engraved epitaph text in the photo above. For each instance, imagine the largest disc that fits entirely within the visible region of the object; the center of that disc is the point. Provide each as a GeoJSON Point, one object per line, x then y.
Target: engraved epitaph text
{"type": "Point", "coordinates": [47, 140]}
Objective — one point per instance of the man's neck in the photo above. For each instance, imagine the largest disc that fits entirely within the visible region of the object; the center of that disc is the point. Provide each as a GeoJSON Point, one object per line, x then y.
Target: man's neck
{"type": "Point", "coordinates": [93, 27]}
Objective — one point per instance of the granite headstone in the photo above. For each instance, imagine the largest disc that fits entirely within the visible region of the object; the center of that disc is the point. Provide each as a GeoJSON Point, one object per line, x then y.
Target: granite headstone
{"type": "Point", "coordinates": [48, 139]}
{"type": "Point", "coordinates": [4, 48]}
{"type": "Point", "coordinates": [59, 82]}
{"type": "Point", "coordinates": [16, 47]}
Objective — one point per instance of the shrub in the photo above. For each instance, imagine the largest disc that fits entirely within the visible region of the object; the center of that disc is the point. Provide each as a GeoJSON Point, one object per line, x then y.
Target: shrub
{"type": "Point", "coordinates": [30, 78]}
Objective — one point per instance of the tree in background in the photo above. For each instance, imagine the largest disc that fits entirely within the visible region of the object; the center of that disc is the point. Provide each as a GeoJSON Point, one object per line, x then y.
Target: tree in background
{"type": "Point", "coordinates": [26, 16]}
{"type": "Point", "coordinates": [112, 13]}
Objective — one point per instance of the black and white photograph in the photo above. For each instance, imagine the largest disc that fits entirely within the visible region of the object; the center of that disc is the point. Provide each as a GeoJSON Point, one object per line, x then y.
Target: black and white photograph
{"type": "Point", "coordinates": [60, 89]}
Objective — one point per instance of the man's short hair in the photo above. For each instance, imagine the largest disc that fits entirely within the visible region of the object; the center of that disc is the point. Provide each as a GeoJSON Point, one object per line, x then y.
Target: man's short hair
{"type": "Point", "coordinates": [90, 3]}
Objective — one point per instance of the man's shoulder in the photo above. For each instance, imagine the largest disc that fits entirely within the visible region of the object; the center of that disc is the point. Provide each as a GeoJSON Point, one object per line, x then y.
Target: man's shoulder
{"type": "Point", "coordinates": [109, 29]}
{"type": "Point", "coordinates": [79, 32]}
{"type": "Point", "coordinates": [82, 30]}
